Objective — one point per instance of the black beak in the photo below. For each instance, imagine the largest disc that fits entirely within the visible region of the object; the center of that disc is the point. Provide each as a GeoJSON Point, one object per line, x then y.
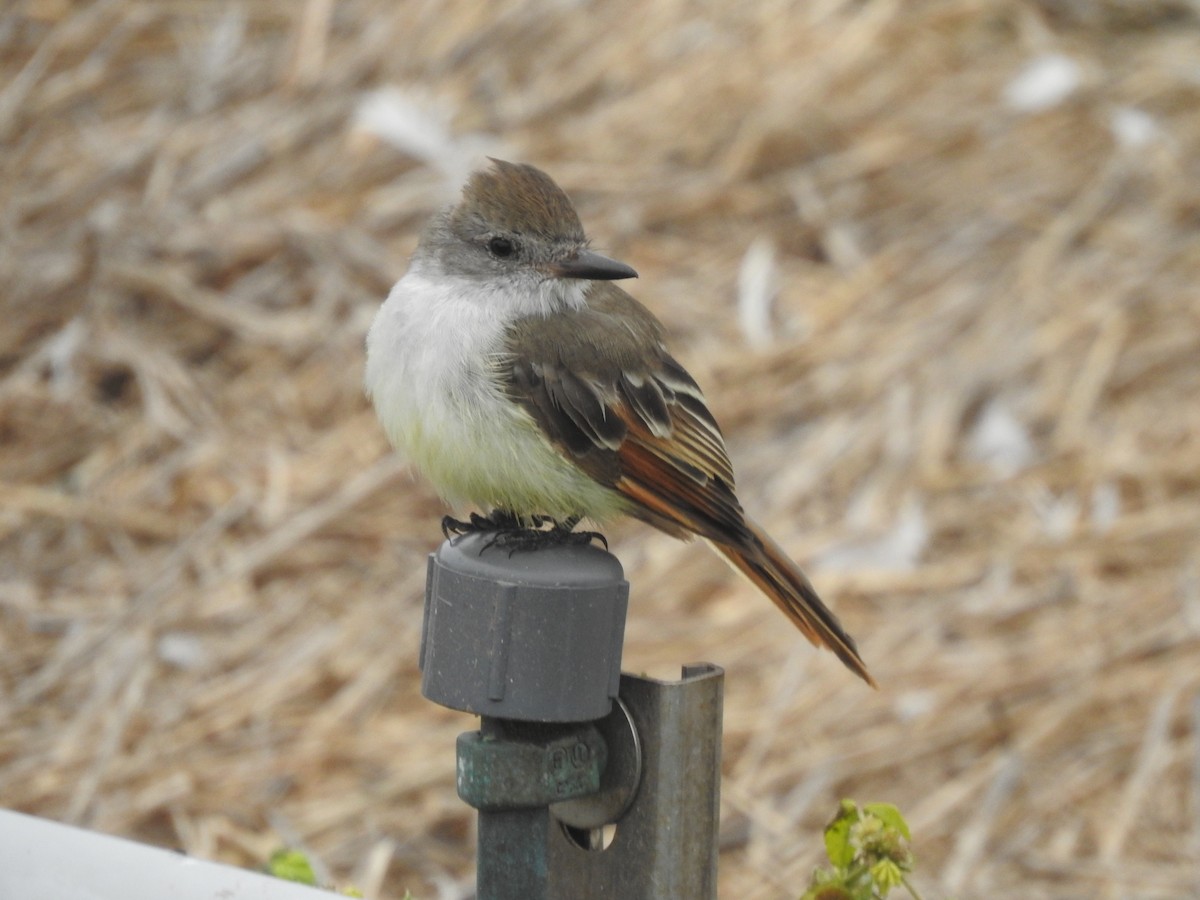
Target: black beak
{"type": "Point", "coordinates": [591, 266]}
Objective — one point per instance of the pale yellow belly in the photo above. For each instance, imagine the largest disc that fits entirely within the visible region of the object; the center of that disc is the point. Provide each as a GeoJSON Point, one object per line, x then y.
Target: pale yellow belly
{"type": "Point", "coordinates": [493, 457]}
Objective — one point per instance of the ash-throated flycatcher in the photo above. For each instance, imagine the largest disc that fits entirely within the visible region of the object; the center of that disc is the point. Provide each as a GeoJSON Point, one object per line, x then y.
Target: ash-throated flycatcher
{"type": "Point", "coordinates": [507, 366]}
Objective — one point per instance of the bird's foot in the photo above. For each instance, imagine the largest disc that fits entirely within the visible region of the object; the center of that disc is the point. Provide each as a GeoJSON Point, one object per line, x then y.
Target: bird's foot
{"type": "Point", "coordinates": [497, 521]}
{"type": "Point", "coordinates": [522, 533]}
{"type": "Point", "coordinates": [558, 534]}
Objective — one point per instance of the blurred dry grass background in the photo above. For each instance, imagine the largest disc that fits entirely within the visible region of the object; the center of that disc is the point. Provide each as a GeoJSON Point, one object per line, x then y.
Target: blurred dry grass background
{"type": "Point", "coordinates": [936, 263]}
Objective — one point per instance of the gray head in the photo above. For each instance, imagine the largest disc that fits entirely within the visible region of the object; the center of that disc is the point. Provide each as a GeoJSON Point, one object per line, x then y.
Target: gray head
{"type": "Point", "coordinates": [514, 225]}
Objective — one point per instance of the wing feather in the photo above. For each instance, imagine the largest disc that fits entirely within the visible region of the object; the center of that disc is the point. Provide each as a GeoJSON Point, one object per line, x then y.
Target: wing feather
{"type": "Point", "coordinates": [612, 398]}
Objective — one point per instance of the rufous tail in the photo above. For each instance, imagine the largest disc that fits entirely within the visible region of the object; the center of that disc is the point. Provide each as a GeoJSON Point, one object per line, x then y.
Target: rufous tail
{"type": "Point", "coordinates": [773, 572]}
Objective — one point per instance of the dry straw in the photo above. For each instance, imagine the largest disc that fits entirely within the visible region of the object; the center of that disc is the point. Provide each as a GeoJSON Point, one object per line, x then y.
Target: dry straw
{"type": "Point", "coordinates": [966, 395]}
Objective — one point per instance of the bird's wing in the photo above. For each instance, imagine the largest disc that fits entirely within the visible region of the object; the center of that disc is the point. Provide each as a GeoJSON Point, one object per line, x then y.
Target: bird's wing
{"type": "Point", "coordinates": [604, 390]}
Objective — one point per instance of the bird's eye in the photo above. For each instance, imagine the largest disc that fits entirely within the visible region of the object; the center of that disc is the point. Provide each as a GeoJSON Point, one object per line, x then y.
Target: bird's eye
{"type": "Point", "coordinates": [501, 247]}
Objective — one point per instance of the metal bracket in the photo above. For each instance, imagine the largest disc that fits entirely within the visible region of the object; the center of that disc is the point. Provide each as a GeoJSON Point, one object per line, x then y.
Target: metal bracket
{"type": "Point", "coordinates": [665, 846]}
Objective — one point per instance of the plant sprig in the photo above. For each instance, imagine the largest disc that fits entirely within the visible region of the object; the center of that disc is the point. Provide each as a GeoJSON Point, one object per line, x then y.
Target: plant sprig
{"type": "Point", "coordinates": [869, 854]}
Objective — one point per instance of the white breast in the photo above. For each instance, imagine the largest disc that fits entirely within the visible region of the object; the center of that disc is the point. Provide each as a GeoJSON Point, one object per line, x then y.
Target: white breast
{"type": "Point", "coordinates": [430, 353]}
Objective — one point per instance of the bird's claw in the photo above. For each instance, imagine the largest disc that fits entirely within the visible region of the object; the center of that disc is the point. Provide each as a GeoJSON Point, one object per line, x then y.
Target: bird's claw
{"type": "Point", "coordinates": [515, 534]}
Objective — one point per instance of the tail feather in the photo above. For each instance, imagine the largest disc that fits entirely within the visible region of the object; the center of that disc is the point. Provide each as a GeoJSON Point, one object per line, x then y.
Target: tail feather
{"type": "Point", "coordinates": [770, 569]}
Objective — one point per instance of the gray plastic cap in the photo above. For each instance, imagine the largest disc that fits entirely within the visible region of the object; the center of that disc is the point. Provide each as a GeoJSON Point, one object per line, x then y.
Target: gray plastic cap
{"type": "Point", "coordinates": [534, 636]}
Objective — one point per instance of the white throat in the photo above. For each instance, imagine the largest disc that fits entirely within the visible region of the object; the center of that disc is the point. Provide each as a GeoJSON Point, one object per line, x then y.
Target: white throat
{"type": "Point", "coordinates": [440, 334]}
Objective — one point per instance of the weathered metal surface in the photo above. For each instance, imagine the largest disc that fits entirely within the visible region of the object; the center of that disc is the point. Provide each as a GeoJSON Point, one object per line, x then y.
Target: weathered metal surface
{"type": "Point", "coordinates": [619, 781]}
{"type": "Point", "coordinates": [533, 765]}
{"type": "Point", "coordinates": [576, 802]}
{"type": "Point", "coordinates": [665, 847]}
{"type": "Point", "coordinates": [532, 636]}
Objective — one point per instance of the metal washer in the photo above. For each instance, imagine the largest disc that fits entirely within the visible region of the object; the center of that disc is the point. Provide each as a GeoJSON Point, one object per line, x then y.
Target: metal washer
{"type": "Point", "coordinates": [619, 781]}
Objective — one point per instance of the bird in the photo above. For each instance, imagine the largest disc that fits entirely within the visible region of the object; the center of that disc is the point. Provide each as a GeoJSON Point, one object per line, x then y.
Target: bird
{"type": "Point", "coordinates": [512, 371]}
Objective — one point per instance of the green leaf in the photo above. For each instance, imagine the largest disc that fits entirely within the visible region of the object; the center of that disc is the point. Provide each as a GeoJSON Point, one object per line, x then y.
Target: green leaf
{"type": "Point", "coordinates": [837, 835]}
{"type": "Point", "coordinates": [291, 865]}
{"type": "Point", "coordinates": [887, 875]}
{"type": "Point", "coordinates": [890, 816]}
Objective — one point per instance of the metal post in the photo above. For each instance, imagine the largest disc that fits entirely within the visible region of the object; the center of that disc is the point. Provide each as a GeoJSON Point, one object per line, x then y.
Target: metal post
{"type": "Point", "coordinates": [589, 783]}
